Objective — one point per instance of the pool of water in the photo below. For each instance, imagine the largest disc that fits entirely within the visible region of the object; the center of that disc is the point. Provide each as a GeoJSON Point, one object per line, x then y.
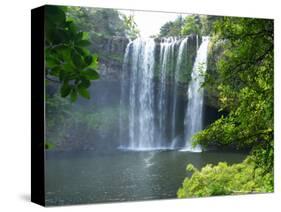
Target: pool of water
{"type": "Point", "coordinates": [93, 177]}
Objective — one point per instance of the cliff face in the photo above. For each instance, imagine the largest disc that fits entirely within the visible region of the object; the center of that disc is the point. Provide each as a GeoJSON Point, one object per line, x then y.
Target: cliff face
{"type": "Point", "coordinates": [211, 101]}
{"type": "Point", "coordinates": [214, 53]}
{"type": "Point", "coordinates": [111, 52]}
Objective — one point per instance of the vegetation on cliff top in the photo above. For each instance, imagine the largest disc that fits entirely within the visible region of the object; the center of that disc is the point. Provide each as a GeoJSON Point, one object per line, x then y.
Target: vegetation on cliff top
{"type": "Point", "coordinates": [192, 24]}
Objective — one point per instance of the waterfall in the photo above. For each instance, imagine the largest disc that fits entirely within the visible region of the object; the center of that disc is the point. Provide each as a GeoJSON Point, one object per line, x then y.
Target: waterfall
{"type": "Point", "coordinates": [167, 50]}
{"type": "Point", "coordinates": [150, 93]}
{"type": "Point", "coordinates": [141, 94]}
{"type": "Point", "coordinates": [193, 117]}
{"type": "Point", "coordinates": [123, 92]}
{"type": "Point", "coordinates": [175, 90]}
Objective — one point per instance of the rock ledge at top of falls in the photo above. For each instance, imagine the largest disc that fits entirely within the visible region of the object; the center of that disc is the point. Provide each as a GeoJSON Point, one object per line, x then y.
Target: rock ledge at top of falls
{"type": "Point", "coordinates": [111, 52]}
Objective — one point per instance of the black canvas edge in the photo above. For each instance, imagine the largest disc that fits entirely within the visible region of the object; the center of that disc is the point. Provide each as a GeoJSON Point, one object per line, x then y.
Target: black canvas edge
{"type": "Point", "coordinates": [37, 107]}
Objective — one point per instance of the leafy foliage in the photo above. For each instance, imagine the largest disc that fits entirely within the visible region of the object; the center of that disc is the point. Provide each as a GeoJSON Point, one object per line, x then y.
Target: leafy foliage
{"type": "Point", "coordinates": [224, 179]}
{"type": "Point", "coordinates": [192, 25]}
{"type": "Point", "coordinates": [243, 79]}
{"type": "Point", "coordinates": [172, 28]}
{"type": "Point", "coordinates": [109, 31]}
{"type": "Point", "coordinates": [207, 24]}
{"type": "Point", "coordinates": [104, 22]}
{"type": "Point", "coordinates": [68, 61]}
{"type": "Point", "coordinates": [244, 83]}
{"type": "Point", "coordinates": [131, 26]}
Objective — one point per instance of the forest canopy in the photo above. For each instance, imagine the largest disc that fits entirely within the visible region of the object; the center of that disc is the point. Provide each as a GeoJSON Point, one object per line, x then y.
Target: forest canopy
{"type": "Point", "coordinates": [201, 25]}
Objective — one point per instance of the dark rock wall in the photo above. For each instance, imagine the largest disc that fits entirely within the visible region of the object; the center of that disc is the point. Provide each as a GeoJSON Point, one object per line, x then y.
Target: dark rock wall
{"type": "Point", "coordinates": [211, 101]}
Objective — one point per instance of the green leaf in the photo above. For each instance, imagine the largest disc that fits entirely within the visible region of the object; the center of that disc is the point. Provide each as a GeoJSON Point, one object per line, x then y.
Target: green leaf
{"type": "Point", "coordinates": [88, 60]}
{"type": "Point", "coordinates": [68, 67]}
{"type": "Point", "coordinates": [77, 59]}
{"type": "Point", "coordinates": [65, 53]}
{"type": "Point", "coordinates": [82, 51]}
{"type": "Point", "coordinates": [85, 83]}
{"type": "Point", "coordinates": [86, 36]}
{"type": "Point", "coordinates": [91, 74]}
{"type": "Point", "coordinates": [84, 43]}
{"type": "Point", "coordinates": [94, 63]}
{"type": "Point", "coordinates": [84, 92]}
{"type": "Point", "coordinates": [52, 62]}
{"type": "Point", "coordinates": [65, 89]}
{"type": "Point", "coordinates": [73, 95]}
{"type": "Point", "coordinates": [72, 27]}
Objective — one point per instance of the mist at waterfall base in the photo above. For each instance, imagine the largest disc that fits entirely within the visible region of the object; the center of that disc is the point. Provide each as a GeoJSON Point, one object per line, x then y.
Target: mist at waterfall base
{"type": "Point", "coordinates": [151, 113]}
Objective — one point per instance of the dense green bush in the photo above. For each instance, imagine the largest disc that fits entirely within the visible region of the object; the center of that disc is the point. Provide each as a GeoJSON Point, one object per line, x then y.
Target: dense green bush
{"type": "Point", "coordinates": [224, 179]}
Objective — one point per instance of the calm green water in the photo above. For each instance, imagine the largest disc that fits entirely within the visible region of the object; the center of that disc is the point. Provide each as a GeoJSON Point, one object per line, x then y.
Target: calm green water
{"type": "Point", "coordinates": [91, 177]}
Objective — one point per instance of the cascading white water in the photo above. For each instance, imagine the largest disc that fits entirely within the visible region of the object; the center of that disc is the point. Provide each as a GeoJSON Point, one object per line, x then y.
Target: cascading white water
{"type": "Point", "coordinates": [194, 110]}
{"type": "Point", "coordinates": [176, 76]}
{"type": "Point", "coordinates": [123, 93]}
{"type": "Point", "coordinates": [167, 49]}
{"type": "Point", "coordinates": [141, 95]}
{"type": "Point", "coordinates": [150, 93]}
